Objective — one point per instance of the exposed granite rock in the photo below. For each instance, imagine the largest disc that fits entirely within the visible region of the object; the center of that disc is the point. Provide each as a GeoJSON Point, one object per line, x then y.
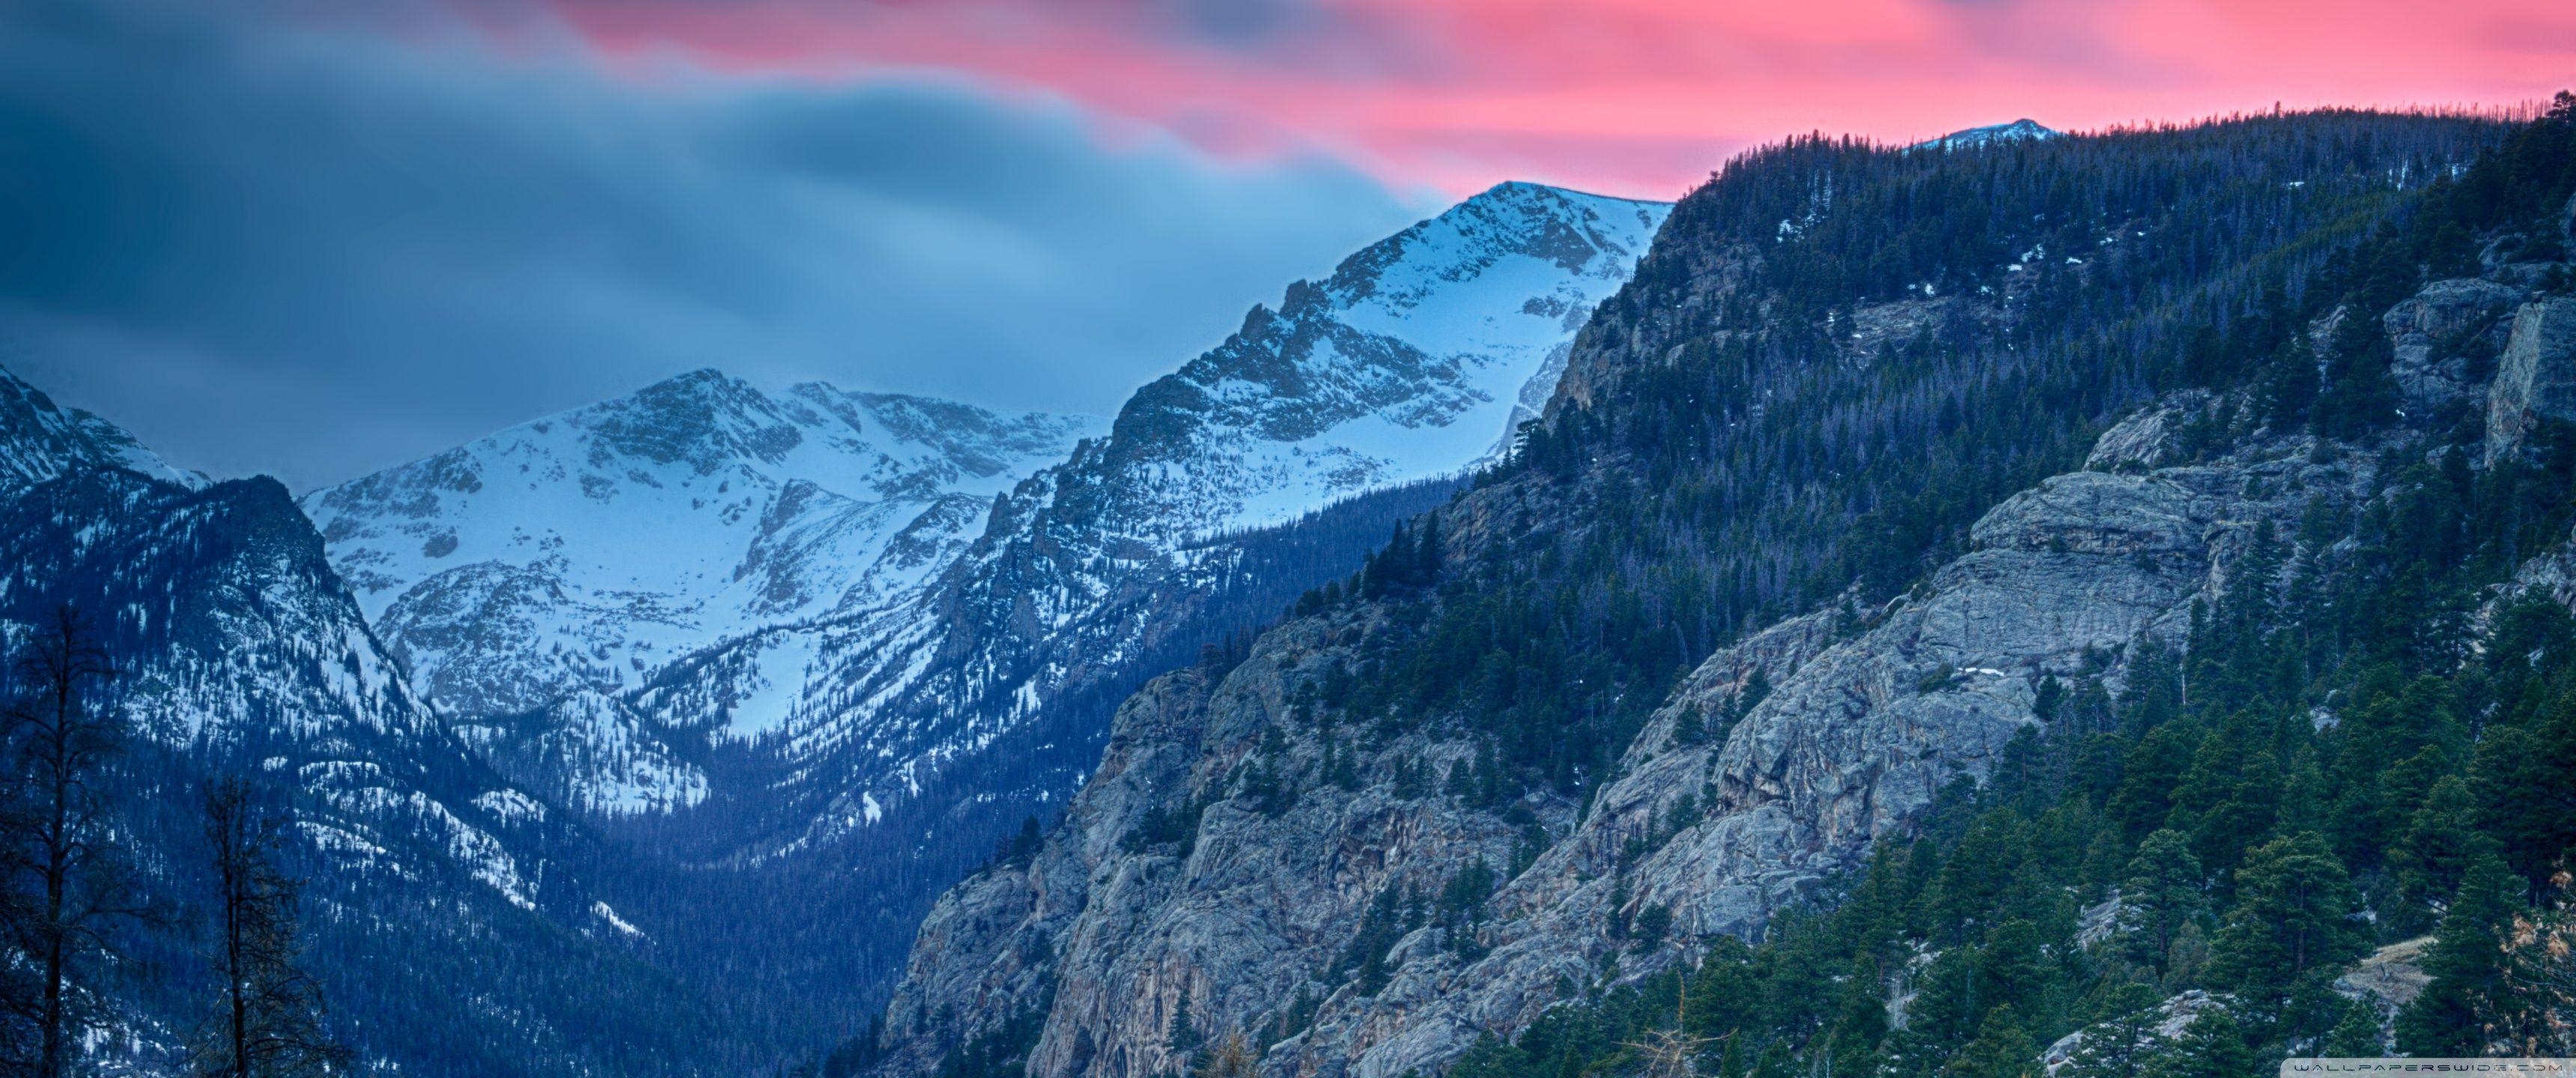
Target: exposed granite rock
{"type": "Point", "coordinates": [1111, 929]}
{"type": "Point", "coordinates": [2174, 1016]}
{"type": "Point", "coordinates": [2146, 439]}
{"type": "Point", "coordinates": [2390, 977]}
{"type": "Point", "coordinates": [2550, 575]}
{"type": "Point", "coordinates": [1873, 712]}
{"type": "Point", "coordinates": [1858, 737]}
{"type": "Point", "coordinates": [2536, 379]}
{"type": "Point", "coordinates": [988, 948]}
{"type": "Point", "coordinates": [2427, 332]}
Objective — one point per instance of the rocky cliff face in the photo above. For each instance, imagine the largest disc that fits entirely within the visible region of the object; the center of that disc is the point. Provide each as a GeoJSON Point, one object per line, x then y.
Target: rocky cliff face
{"type": "Point", "coordinates": [2536, 378]}
{"type": "Point", "coordinates": [2434, 333]}
{"type": "Point", "coordinates": [1246, 859]}
{"type": "Point", "coordinates": [1870, 716]}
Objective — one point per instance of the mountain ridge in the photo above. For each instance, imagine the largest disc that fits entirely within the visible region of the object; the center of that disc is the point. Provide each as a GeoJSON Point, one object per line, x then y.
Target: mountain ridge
{"type": "Point", "coordinates": [241, 654]}
{"type": "Point", "coordinates": [1868, 481]}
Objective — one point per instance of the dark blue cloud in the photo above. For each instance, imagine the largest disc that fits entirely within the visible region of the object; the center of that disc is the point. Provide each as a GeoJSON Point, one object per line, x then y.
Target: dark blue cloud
{"type": "Point", "coordinates": [274, 244]}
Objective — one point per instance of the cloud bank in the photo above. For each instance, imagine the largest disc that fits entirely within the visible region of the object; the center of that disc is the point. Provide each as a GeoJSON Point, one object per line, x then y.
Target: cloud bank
{"type": "Point", "coordinates": [271, 241]}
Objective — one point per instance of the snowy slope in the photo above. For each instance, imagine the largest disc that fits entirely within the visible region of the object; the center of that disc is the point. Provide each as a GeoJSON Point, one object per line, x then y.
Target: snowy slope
{"type": "Point", "coordinates": [240, 652]}
{"type": "Point", "coordinates": [237, 643]}
{"type": "Point", "coordinates": [574, 555]}
{"type": "Point", "coordinates": [234, 638]}
{"type": "Point", "coordinates": [1416, 359]}
{"type": "Point", "coordinates": [631, 606]}
{"type": "Point", "coordinates": [1974, 137]}
{"type": "Point", "coordinates": [40, 440]}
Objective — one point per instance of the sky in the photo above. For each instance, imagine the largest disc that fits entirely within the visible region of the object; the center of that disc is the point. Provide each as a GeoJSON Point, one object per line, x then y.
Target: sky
{"type": "Point", "coordinates": [314, 238]}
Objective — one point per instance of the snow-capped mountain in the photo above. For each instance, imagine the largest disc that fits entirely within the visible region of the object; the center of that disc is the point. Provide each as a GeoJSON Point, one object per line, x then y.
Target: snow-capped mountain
{"type": "Point", "coordinates": [1418, 357]}
{"type": "Point", "coordinates": [755, 629]}
{"type": "Point", "coordinates": [567, 559]}
{"type": "Point", "coordinates": [239, 652]}
{"type": "Point", "coordinates": [597, 594]}
{"type": "Point", "coordinates": [1415, 360]}
{"type": "Point", "coordinates": [238, 643]}
{"type": "Point", "coordinates": [1973, 137]}
{"type": "Point", "coordinates": [40, 440]}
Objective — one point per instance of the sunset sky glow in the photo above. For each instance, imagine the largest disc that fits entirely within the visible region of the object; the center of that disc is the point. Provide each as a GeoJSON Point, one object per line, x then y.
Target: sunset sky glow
{"type": "Point", "coordinates": [318, 237]}
{"type": "Point", "coordinates": [1635, 97]}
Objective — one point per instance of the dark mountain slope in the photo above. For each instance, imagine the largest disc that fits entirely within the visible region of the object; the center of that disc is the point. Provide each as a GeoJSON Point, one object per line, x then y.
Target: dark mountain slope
{"type": "Point", "coordinates": [450, 922]}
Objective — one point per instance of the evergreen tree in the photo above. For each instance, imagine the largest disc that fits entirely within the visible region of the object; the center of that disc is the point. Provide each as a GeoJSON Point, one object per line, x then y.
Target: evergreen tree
{"type": "Point", "coordinates": [2161, 893]}
{"type": "Point", "coordinates": [1182, 1042]}
{"type": "Point", "coordinates": [1428, 554]}
{"type": "Point", "coordinates": [2440, 843]}
{"type": "Point", "coordinates": [1860, 1021]}
{"type": "Point", "coordinates": [2534, 1008]}
{"type": "Point", "coordinates": [2465, 964]}
{"type": "Point", "coordinates": [2528, 804]}
{"type": "Point", "coordinates": [2001, 1049]}
{"type": "Point", "coordinates": [2124, 1041]}
{"type": "Point", "coordinates": [2356, 1035]}
{"type": "Point", "coordinates": [2212, 1046]}
{"type": "Point", "coordinates": [2293, 917]}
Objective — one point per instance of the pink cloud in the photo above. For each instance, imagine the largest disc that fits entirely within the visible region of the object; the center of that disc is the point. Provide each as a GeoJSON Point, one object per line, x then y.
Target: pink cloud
{"type": "Point", "coordinates": [1632, 96]}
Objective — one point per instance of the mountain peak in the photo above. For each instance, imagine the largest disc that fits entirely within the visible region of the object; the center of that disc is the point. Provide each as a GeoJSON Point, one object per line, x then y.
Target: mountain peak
{"type": "Point", "coordinates": [1579, 232]}
{"type": "Point", "coordinates": [1523, 190]}
{"type": "Point", "coordinates": [40, 440]}
{"type": "Point", "coordinates": [2021, 130]}
{"type": "Point", "coordinates": [582, 549]}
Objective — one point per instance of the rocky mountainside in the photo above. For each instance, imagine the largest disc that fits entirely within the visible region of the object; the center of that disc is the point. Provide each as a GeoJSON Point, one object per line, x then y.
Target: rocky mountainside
{"type": "Point", "coordinates": [840, 643]}
{"type": "Point", "coordinates": [240, 653]}
{"type": "Point", "coordinates": [1867, 719]}
{"type": "Point", "coordinates": [1910, 470]}
{"type": "Point", "coordinates": [1415, 361]}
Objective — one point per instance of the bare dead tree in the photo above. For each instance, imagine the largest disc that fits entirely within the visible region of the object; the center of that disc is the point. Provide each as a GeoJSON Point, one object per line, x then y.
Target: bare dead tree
{"type": "Point", "coordinates": [67, 881]}
{"type": "Point", "coordinates": [268, 1018]}
{"type": "Point", "coordinates": [1674, 1052]}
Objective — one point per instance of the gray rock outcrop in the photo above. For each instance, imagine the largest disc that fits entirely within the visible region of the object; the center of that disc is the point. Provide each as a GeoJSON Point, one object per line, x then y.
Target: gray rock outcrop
{"type": "Point", "coordinates": [1109, 928]}
{"type": "Point", "coordinates": [2536, 378]}
{"type": "Point", "coordinates": [2428, 332]}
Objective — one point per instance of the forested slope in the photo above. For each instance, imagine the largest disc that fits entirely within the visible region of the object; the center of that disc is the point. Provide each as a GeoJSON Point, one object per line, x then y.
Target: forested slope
{"type": "Point", "coordinates": [1955, 599]}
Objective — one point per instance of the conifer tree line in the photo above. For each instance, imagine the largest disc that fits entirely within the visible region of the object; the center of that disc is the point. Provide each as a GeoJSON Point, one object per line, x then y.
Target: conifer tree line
{"type": "Point", "coordinates": [1760, 469]}
{"type": "Point", "coordinates": [84, 913]}
{"type": "Point", "coordinates": [2341, 759]}
{"type": "Point", "coordinates": [2348, 751]}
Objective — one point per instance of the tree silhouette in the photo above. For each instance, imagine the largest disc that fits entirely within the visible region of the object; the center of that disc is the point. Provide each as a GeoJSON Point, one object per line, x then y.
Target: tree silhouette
{"type": "Point", "coordinates": [66, 883]}
{"type": "Point", "coordinates": [267, 1021]}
